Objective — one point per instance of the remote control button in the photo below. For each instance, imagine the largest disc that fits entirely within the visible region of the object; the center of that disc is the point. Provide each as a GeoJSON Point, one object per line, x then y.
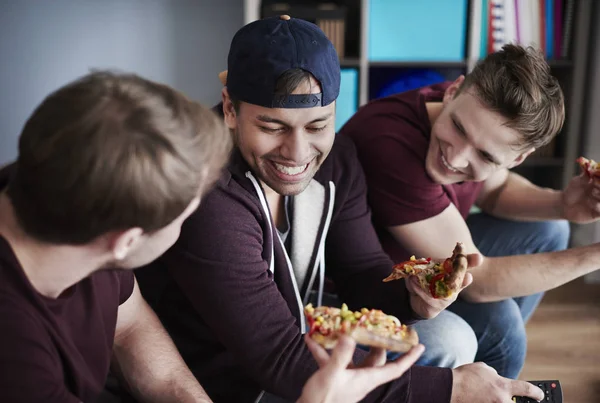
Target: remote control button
{"type": "Point", "coordinates": [553, 385]}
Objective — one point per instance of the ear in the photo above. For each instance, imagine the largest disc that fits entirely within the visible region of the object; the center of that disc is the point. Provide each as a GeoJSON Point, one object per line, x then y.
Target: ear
{"type": "Point", "coordinates": [519, 160]}
{"type": "Point", "coordinates": [228, 110]}
{"type": "Point", "coordinates": [451, 90]}
{"type": "Point", "coordinates": [124, 242]}
{"type": "Point", "coordinates": [223, 77]}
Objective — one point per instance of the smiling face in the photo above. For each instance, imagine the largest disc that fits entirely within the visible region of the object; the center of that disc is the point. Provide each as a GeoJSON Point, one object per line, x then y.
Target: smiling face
{"type": "Point", "coordinates": [284, 147]}
{"type": "Point", "coordinates": [469, 142]}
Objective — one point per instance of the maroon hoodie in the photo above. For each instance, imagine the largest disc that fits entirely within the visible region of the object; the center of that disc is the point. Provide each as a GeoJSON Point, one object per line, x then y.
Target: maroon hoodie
{"type": "Point", "coordinates": [231, 296]}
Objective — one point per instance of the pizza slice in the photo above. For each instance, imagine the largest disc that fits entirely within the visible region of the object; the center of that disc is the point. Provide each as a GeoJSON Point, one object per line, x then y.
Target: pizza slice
{"type": "Point", "coordinates": [440, 279]}
{"type": "Point", "coordinates": [370, 327]}
{"type": "Point", "coordinates": [590, 167]}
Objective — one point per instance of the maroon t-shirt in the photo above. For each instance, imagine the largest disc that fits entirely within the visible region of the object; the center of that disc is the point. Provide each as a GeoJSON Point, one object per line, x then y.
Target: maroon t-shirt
{"type": "Point", "coordinates": [392, 136]}
{"type": "Point", "coordinates": [56, 350]}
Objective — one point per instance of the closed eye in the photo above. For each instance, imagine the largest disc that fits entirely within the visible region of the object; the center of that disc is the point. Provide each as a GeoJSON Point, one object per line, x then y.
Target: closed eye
{"type": "Point", "coordinates": [317, 129]}
{"type": "Point", "coordinates": [458, 128]}
{"type": "Point", "coordinates": [271, 129]}
{"type": "Point", "coordinates": [487, 157]}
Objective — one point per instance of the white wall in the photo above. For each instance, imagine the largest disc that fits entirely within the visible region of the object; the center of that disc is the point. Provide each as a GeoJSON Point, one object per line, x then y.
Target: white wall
{"type": "Point", "coordinates": [44, 44]}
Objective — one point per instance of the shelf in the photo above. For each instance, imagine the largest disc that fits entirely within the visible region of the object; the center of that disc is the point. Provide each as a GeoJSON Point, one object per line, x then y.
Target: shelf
{"type": "Point", "coordinates": [350, 62]}
{"type": "Point", "coordinates": [560, 63]}
{"type": "Point", "coordinates": [543, 162]}
{"type": "Point", "coordinates": [424, 63]}
{"type": "Point", "coordinates": [355, 62]}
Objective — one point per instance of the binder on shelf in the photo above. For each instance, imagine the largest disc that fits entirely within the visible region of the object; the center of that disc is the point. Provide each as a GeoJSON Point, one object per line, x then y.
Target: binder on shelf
{"type": "Point", "coordinates": [347, 101]}
{"type": "Point", "coordinates": [544, 24]}
{"type": "Point", "coordinates": [424, 30]}
{"type": "Point", "coordinates": [474, 30]}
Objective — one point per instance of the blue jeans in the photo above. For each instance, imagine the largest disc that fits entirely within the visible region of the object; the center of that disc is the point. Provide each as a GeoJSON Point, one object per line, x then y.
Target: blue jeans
{"type": "Point", "coordinates": [499, 327]}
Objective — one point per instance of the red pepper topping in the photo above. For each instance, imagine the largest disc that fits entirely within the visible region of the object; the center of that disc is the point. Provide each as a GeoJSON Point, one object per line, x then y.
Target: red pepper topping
{"type": "Point", "coordinates": [448, 266]}
{"type": "Point", "coordinates": [434, 280]}
{"type": "Point", "coordinates": [312, 324]}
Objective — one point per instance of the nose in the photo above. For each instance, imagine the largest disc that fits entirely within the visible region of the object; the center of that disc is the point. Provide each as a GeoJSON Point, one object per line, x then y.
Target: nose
{"type": "Point", "coordinates": [458, 155]}
{"type": "Point", "coordinates": [296, 147]}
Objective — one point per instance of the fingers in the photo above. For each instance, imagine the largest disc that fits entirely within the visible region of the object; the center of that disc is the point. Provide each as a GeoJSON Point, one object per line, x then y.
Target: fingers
{"type": "Point", "coordinates": [414, 286]}
{"type": "Point", "coordinates": [342, 353]}
{"type": "Point", "coordinates": [376, 358]}
{"type": "Point", "coordinates": [474, 260]}
{"type": "Point", "coordinates": [396, 369]}
{"type": "Point", "coordinates": [594, 205]}
{"type": "Point", "coordinates": [317, 351]}
{"type": "Point", "coordinates": [522, 388]}
{"type": "Point", "coordinates": [466, 281]}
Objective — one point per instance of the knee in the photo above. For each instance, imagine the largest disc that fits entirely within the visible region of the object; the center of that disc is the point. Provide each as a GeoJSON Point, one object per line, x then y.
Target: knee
{"type": "Point", "coordinates": [460, 343]}
{"type": "Point", "coordinates": [506, 332]}
{"type": "Point", "coordinates": [556, 235]}
{"type": "Point", "coordinates": [449, 341]}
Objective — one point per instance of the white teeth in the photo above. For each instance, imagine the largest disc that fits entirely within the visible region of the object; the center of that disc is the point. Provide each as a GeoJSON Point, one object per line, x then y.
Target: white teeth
{"type": "Point", "coordinates": [290, 170]}
{"type": "Point", "coordinates": [447, 165]}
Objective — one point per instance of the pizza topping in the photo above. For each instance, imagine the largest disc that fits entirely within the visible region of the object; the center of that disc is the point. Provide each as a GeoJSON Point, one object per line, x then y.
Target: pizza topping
{"type": "Point", "coordinates": [590, 167]}
{"type": "Point", "coordinates": [327, 320]}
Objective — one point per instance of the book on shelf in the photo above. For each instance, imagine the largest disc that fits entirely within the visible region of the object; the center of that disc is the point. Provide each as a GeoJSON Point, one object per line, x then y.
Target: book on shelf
{"type": "Point", "coordinates": [544, 24]}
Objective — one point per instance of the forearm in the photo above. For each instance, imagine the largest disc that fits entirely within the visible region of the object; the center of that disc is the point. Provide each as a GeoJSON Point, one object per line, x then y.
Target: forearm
{"type": "Point", "coordinates": [150, 365]}
{"type": "Point", "coordinates": [515, 276]}
{"type": "Point", "coordinates": [519, 199]}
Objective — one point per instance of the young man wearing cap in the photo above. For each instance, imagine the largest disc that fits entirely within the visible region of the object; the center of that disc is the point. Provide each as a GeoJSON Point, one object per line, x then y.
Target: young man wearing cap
{"type": "Point", "coordinates": [430, 154]}
{"type": "Point", "coordinates": [292, 201]}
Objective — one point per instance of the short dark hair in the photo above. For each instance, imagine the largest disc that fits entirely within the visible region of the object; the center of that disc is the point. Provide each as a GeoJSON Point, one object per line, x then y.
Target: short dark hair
{"type": "Point", "coordinates": [517, 83]}
{"type": "Point", "coordinates": [286, 84]}
{"type": "Point", "coordinates": [113, 151]}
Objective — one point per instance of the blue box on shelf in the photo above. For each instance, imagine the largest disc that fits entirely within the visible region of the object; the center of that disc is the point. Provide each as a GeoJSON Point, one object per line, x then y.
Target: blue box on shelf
{"type": "Point", "coordinates": [347, 102]}
{"type": "Point", "coordinates": [417, 30]}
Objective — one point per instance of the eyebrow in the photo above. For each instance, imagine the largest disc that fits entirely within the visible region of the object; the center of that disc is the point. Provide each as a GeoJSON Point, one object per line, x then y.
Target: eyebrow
{"type": "Point", "coordinates": [456, 121]}
{"type": "Point", "coordinates": [268, 119]}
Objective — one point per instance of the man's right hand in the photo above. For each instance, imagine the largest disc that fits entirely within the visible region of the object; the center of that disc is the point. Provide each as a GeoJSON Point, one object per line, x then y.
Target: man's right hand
{"type": "Point", "coordinates": [338, 380]}
{"type": "Point", "coordinates": [479, 382]}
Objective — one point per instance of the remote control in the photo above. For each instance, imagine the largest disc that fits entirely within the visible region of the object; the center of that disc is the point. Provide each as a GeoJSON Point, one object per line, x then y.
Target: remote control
{"type": "Point", "coordinates": [552, 392]}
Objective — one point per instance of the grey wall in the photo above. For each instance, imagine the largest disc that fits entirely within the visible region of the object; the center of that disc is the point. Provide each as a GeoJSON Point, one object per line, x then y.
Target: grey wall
{"type": "Point", "coordinates": [44, 44]}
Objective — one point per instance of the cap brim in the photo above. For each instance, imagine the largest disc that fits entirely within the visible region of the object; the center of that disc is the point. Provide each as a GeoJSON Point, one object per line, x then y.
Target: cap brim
{"type": "Point", "coordinates": [223, 77]}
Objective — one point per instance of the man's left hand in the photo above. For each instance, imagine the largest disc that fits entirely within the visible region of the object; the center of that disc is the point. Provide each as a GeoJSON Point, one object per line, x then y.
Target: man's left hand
{"type": "Point", "coordinates": [581, 200]}
{"type": "Point", "coordinates": [427, 307]}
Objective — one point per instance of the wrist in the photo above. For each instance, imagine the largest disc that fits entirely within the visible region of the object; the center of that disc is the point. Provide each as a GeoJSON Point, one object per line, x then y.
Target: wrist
{"type": "Point", "coordinates": [560, 207]}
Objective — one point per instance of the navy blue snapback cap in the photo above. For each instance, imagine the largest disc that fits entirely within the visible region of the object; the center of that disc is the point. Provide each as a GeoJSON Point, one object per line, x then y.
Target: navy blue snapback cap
{"type": "Point", "coordinates": [264, 49]}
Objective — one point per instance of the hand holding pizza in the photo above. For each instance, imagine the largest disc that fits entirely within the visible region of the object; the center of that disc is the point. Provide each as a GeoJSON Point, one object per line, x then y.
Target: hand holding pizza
{"type": "Point", "coordinates": [432, 285]}
{"type": "Point", "coordinates": [581, 198]}
{"type": "Point", "coordinates": [338, 381]}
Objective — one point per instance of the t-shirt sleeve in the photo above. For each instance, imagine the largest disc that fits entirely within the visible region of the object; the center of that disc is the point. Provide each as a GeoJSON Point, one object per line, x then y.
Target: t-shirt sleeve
{"type": "Point", "coordinates": [399, 189]}
{"type": "Point", "coordinates": [28, 371]}
{"type": "Point", "coordinates": [126, 282]}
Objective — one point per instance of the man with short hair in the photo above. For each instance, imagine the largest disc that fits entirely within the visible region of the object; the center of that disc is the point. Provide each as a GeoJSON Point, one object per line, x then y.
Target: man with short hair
{"type": "Point", "coordinates": [290, 209]}
{"type": "Point", "coordinates": [109, 167]}
{"type": "Point", "coordinates": [430, 154]}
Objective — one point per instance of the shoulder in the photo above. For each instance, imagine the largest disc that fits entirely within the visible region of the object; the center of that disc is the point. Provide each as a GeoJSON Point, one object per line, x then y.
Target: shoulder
{"type": "Point", "coordinates": [392, 114]}
{"type": "Point", "coordinates": [230, 217]}
{"type": "Point", "coordinates": [20, 323]}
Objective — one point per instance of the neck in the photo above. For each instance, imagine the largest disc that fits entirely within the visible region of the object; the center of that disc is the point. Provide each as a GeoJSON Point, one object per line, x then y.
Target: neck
{"type": "Point", "coordinates": [50, 268]}
{"type": "Point", "coordinates": [276, 205]}
{"type": "Point", "coordinates": [433, 110]}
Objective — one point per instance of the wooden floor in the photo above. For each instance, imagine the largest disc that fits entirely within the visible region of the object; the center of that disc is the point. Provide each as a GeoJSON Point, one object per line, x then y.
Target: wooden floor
{"type": "Point", "coordinates": [564, 341]}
